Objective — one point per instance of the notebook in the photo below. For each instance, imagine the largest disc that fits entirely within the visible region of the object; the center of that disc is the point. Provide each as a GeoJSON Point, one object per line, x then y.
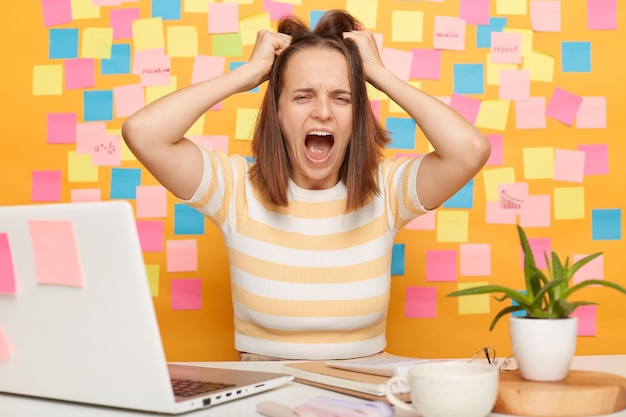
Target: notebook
{"type": "Point", "coordinates": [77, 321]}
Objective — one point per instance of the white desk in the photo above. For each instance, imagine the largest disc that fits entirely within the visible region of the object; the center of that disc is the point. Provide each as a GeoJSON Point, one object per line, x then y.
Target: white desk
{"type": "Point", "coordinates": [292, 394]}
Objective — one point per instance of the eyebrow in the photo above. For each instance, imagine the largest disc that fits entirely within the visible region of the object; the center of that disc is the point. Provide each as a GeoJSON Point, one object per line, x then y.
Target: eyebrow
{"type": "Point", "coordinates": [310, 90]}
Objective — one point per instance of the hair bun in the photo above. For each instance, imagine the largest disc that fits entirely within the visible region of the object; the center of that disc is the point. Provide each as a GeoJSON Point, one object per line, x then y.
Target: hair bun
{"type": "Point", "coordinates": [335, 22]}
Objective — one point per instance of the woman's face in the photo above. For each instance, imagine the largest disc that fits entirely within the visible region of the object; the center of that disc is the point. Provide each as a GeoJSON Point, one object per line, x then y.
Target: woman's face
{"type": "Point", "coordinates": [315, 114]}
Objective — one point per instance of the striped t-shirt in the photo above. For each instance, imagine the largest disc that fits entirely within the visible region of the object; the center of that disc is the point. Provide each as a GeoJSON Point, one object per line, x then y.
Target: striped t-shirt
{"type": "Point", "coordinates": [309, 281]}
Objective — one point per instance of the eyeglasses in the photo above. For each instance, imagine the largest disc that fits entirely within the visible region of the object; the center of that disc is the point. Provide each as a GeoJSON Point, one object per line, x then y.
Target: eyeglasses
{"type": "Point", "coordinates": [489, 353]}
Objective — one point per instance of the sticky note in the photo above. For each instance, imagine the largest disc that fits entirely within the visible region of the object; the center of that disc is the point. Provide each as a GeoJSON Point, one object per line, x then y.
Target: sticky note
{"type": "Point", "coordinates": [80, 168]}
{"type": "Point", "coordinates": [79, 73]}
{"type": "Point", "coordinates": [449, 33]}
{"type": "Point", "coordinates": [506, 47]}
{"type": "Point", "coordinates": [511, 7]}
{"type": "Point", "coordinates": [124, 182]}
{"type": "Point", "coordinates": [420, 302]}
{"type": "Point", "coordinates": [47, 80]}
{"type": "Point", "coordinates": [207, 67]}
{"type": "Point", "coordinates": [85, 9]}
{"type": "Point", "coordinates": [602, 14]}
{"type": "Point", "coordinates": [569, 203]}
{"type": "Point", "coordinates": [569, 165]}
{"type": "Point", "coordinates": [545, 16]}
{"type": "Point", "coordinates": [153, 272]}
{"type": "Point", "coordinates": [594, 269]}
{"type": "Point", "coordinates": [246, 121]}
{"type": "Point", "coordinates": [452, 226]}
{"type": "Point", "coordinates": [538, 162]}
{"type": "Point", "coordinates": [397, 259]}
{"type": "Point", "coordinates": [492, 178]}
{"type": "Point", "coordinates": [402, 131]}
{"type": "Point", "coordinates": [96, 43]}
{"type": "Point", "coordinates": [250, 25]}
{"type": "Point", "coordinates": [60, 128]}
{"type": "Point", "coordinates": [223, 18]}
{"type": "Point", "coordinates": [7, 269]}
{"type": "Point", "coordinates": [186, 294]}
{"type": "Point", "coordinates": [127, 99]}
{"type": "Point", "coordinates": [495, 214]}
{"type": "Point", "coordinates": [119, 62]}
{"type": "Point", "coordinates": [586, 320]}
{"type": "Point", "coordinates": [467, 107]}
{"type": "Point", "coordinates": [527, 36]}
{"type": "Point", "coordinates": [84, 195]}
{"type": "Point", "coordinates": [441, 265]}
{"type": "Point", "coordinates": [148, 34]}
{"type": "Point", "coordinates": [513, 196]}
{"type": "Point", "coordinates": [426, 64]}
{"type": "Point", "coordinates": [473, 304]}
{"type": "Point", "coordinates": [182, 41]}
{"type": "Point", "coordinates": [55, 252]}
{"type": "Point", "coordinates": [182, 255]}
{"type": "Point", "coordinates": [407, 26]}
{"type": "Point", "coordinates": [366, 11]}
{"type": "Point", "coordinates": [540, 247]}
{"type": "Point", "coordinates": [514, 85]}
{"type": "Point", "coordinates": [606, 224]}
{"type": "Point", "coordinates": [6, 350]}
{"type": "Point", "coordinates": [540, 65]}
{"type": "Point", "coordinates": [398, 62]}
{"type": "Point", "coordinates": [276, 9]}
{"type": "Point", "coordinates": [424, 222]}
{"type": "Point", "coordinates": [166, 9]}
{"type": "Point", "coordinates": [151, 201]}
{"type": "Point", "coordinates": [530, 113]}
{"type": "Point", "coordinates": [493, 114]}
{"type": "Point", "coordinates": [46, 186]}
{"type": "Point", "coordinates": [563, 106]}
{"type": "Point", "coordinates": [87, 134]}
{"type": "Point", "coordinates": [496, 156]}
{"type": "Point", "coordinates": [151, 235]}
{"type": "Point", "coordinates": [211, 142]}
{"type": "Point", "coordinates": [536, 211]}
{"type": "Point", "coordinates": [227, 44]}
{"type": "Point", "coordinates": [464, 198]}
{"type": "Point", "coordinates": [474, 259]}
{"type": "Point", "coordinates": [576, 56]}
{"type": "Point", "coordinates": [63, 43]}
{"type": "Point", "coordinates": [97, 105]}
{"type": "Point", "coordinates": [187, 220]}
{"type": "Point", "coordinates": [591, 113]}
{"type": "Point", "coordinates": [483, 32]}
{"type": "Point", "coordinates": [469, 79]}
{"type": "Point", "coordinates": [474, 11]}
{"type": "Point", "coordinates": [56, 12]}
{"type": "Point", "coordinates": [107, 152]}
{"type": "Point", "coordinates": [596, 158]}
{"type": "Point", "coordinates": [121, 21]}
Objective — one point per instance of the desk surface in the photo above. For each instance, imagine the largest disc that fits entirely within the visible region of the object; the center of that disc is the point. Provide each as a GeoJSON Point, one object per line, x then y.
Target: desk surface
{"type": "Point", "coordinates": [292, 394]}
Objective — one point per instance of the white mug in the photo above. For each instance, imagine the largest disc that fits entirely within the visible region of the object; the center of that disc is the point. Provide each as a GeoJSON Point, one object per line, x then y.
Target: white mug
{"type": "Point", "coordinates": [447, 388]}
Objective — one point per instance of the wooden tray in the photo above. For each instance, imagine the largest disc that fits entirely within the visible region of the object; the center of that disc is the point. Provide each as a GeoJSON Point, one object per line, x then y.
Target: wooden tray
{"type": "Point", "coordinates": [582, 393]}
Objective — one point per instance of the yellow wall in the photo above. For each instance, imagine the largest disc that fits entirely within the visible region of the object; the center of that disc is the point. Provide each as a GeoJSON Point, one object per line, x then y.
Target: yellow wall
{"type": "Point", "coordinates": [207, 333]}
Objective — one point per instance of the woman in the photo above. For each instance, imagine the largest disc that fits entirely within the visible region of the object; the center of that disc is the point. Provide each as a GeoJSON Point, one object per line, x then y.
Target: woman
{"type": "Point", "coordinates": [309, 226]}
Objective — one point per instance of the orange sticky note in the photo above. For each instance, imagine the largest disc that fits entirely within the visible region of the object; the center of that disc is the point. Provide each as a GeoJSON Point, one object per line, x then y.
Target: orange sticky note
{"type": "Point", "coordinates": [55, 252]}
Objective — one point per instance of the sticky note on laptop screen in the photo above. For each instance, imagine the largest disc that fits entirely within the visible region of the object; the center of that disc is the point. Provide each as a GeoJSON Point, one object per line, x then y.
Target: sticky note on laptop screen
{"type": "Point", "coordinates": [55, 252]}
{"type": "Point", "coordinates": [7, 270]}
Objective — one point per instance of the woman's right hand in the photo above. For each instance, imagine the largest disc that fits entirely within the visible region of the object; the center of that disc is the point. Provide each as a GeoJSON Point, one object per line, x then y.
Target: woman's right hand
{"type": "Point", "coordinates": [267, 46]}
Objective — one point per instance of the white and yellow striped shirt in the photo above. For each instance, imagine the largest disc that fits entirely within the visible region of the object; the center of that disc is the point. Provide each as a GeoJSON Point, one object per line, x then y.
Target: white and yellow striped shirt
{"type": "Point", "coordinates": [309, 281]}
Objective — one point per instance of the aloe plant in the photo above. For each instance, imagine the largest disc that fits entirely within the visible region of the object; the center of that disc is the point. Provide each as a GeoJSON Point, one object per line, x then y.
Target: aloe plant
{"type": "Point", "coordinates": [544, 297]}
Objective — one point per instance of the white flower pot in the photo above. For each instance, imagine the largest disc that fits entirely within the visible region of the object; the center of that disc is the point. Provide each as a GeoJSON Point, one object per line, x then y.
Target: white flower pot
{"type": "Point", "coordinates": [543, 348]}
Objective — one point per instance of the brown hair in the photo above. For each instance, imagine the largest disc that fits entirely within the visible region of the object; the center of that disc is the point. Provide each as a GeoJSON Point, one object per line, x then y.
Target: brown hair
{"type": "Point", "coordinates": [270, 172]}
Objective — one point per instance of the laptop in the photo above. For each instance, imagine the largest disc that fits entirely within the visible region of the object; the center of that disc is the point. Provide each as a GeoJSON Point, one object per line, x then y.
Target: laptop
{"type": "Point", "coordinates": [77, 321]}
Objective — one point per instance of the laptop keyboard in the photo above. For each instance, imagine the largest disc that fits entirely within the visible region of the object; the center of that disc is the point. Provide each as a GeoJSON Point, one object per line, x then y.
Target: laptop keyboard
{"type": "Point", "coordinates": [190, 388]}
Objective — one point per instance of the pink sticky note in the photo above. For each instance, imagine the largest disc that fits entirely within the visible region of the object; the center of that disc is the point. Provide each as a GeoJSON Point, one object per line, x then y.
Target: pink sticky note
{"type": "Point", "coordinates": [441, 265]}
{"type": "Point", "coordinates": [7, 270]}
{"type": "Point", "coordinates": [496, 156]}
{"type": "Point", "coordinates": [151, 201]}
{"type": "Point", "coordinates": [55, 252]}
{"type": "Point", "coordinates": [586, 320]}
{"type": "Point", "coordinates": [207, 67]}
{"type": "Point", "coordinates": [467, 107]}
{"type": "Point", "coordinates": [398, 62]}
{"type": "Point", "coordinates": [475, 259]}
{"type": "Point", "coordinates": [563, 106]}
{"type": "Point", "coordinates": [150, 235]}
{"type": "Point", "coordinates": [494, 214]}
{"type": "Point", "coordinates": [421, 302]}
{"type": "Point", "coordinates": [569, 165]}
{"type": "Point", "coordinates": [594, 269]}
{"type": "Point", "coordinates": [514, 85]}
{"type": "Point", "coordinates": [474, 11]}
{"type": "Point", "coordinates": [223, 18]}
{"type": "Point", "coordinates": [61, 128]}
{"type": "Point", "coordinates": [56, 12]}
{"type": "Point", "coordinates": [186, 294]}
{"type": "Point", "coordinates": [426, 64]}
{"type": "Point", "coordinates": [602, 14]}
{"type": "Point", "coordinates": [182, 255]}
{"type": "Point", "coordinates": [426, 221]}
{"type": "Point", "coordinates": [506, 48]}
{"type": "Point", "coordinates": [540, 247]}
{"type": "Point", "coordinates": [535, 211]}
{"type": "Point", "coordinates": [545, 16]}
{"type": "Point", "coordinates": [85, 195]}
{"type": "Point", "coordinates": [46, 186]}
{"type": "Point", "coordinates": [513, 196]}
{"type": "Point", "coordinates": [107, 152]}
{"type": "Point", "coordinates": [122, 22]}
{"type": "Point", "coordinates": [530, 113]}
{"type": "Point", "coordinates": [88, 134]}
{"type": "Point", "coordinates": [158, 73]}
{"type": "Point", "coordinates": [277, 9]}
{"type": "Point", "coordinates": [6, 350]}
{"type": "Point", "coordinates": [79, 73]}
{"type": "Point", "coordinates": [596, 159]}
{"type": "Point", "coordinates": [211, 142]}
{"type": "Point", "coordinates": [375, 106]}
{"type": "Point", "coordinates": [127, 99]}
{"type": "Point", "coordinates": [449, 33]}
{"type": "Point", "coordinates": [592, 113]}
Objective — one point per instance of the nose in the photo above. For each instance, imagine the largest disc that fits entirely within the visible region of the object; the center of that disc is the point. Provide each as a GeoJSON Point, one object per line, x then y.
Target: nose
{"type": "Point", "coordinates": [322, 110]}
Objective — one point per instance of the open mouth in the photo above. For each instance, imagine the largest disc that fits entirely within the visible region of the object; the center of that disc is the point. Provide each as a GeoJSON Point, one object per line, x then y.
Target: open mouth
{"type": "Point", "coordinates": [318, 145]}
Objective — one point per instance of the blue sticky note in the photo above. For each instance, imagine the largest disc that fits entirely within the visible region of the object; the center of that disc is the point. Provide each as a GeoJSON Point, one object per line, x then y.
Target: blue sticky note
{"type": "Point", "coordinates": [119, 63]}
{"type": "Point", "coordinates": [520, 313]}
{"type": "Point", "coordinates": [464, 198]}
{"type": "Point", "coordinates": [469, 78]}
{"type": "Point", "coordinates": [314, 17]}
{"type": "Point", "coordinates": [234, 65]}
{"type": "Point", "coordinates": [166, 9]}
{"type": "Point", "coordinates": [97, 105]}
{"type": "Point", "coordinates": [606, 224]}
{"type": "Point", "coordinates": [124, 183]}
{"type": "Point", "coordinates": [187, 220]}
{"type": "Point", "coordinates": [576, 56]}
{"type": "Point", "coordinates": [63, 43]}
{"type": "Point", "coordinates": [483, 32]}
{"type": "Point", "coordinates": [397, 259]}
{"type": "Point", "coordinates": [402, 132]}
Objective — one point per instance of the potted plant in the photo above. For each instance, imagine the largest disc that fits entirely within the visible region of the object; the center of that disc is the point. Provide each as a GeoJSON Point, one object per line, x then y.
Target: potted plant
{"type": "Point", "coordinates": [544, 339]}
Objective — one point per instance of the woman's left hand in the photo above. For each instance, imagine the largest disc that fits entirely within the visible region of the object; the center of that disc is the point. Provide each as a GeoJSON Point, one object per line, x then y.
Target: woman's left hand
{"type": "Point", "coordinates": [366, 42]}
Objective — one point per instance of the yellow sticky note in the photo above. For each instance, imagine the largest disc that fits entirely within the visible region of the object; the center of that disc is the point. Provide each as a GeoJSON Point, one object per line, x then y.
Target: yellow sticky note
{"type": "Point", "coordinates": [197, 129]}
{"type": "Point", "coordinates": [540, 66]}
{"type": "Point", "coordinates": [47, 80]}
{"type": "Point", "coordinates": [250, 25]}
{"type": "Point", "coordinates": [157, 91]}
{"type": "Point", "coordinates": [493, 114]}
{"type": "Point", "coordinates": [196, 6]}
{"type": "Point", "coordinates": [407, 26]}
{"type": "Point", "coordinates": [84, 9]}
{"type": "Point", "coordinates": [148, 34]}
{"type": "Point", "coordinates": [527, 39]}
{"type": "Point", "coordinates": [512, 7]}
{"type": "Point", "coordinates": [538, 163]}
{"type": "Point", "coordinates": [394, 107]}
{"type": "Point", "coordinates": [569, 203]}
{"type": "Point", "coordinates": [493, 70]}
{"type": "Point", "coordinates": [80, 169]}
{"type": "Point", "coordinates": [246, 121]}
{"type": "Point", "coordinates": [97, 43]}
{"type": "Point", "coordinates": [374, 94]}
{"type": "Point", "coordinates": [492, 178]}
{"type": "Point", "coordinates": [452, 226]}
{"type": "Point", "coordinates": [366, 11]}
{"type": "Point", "coordinates": [125, 153]}
{"type": "Point", "coordinates": [153, 272]}
{"type": "Point", "coordinates": [473, 304]}
{"type": "Point", "coordinates": [182, 41]}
